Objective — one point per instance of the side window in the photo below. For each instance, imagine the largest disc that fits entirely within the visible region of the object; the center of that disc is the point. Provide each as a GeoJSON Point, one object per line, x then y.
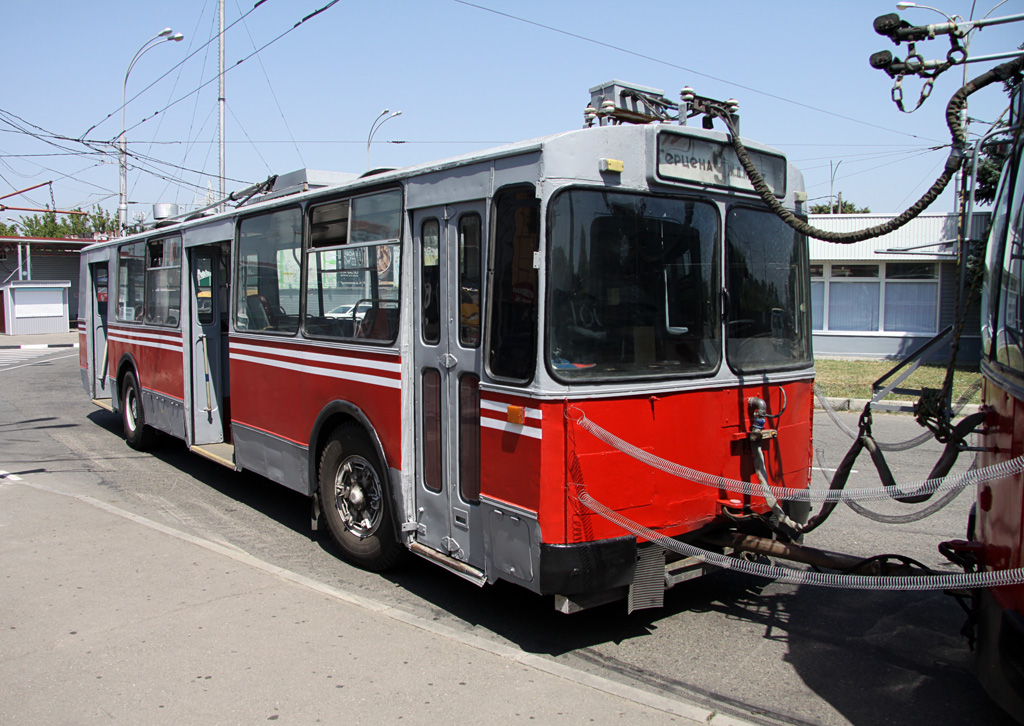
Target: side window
{"type": "Point", "coordinates": [202, 271]}
{"type": "Point", "coordinates": [163, 281]}
{"type": "Point", "coordinates": [513, 304]}
{"type": "Point", "coordinates": [767, 280]}
{"type": "Point", "coordinates": [352, 268]}
{"type": "Point", "coordinates": [99, 284]}
{"type": "Point", "coordinates": [267, 277]}
{"type": "Point", "coordinates": [430, 281]}
{"type": "Point", "coordinates": [1008, 232]}
{"type": "Point", "coordinates": [131, 282]}
{"type": "Point", "coordinates": [470, 235]}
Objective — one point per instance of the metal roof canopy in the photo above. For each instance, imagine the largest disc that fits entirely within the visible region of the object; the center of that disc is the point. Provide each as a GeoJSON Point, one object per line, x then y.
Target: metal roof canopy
{"type": "Point", "coordinates": [928, 236]}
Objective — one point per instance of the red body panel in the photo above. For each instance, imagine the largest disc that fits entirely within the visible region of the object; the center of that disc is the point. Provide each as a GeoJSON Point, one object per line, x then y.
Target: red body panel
{"type": "Point", "coordinates": [705, 430]}
{"type": "Point", "coordinates": [1000, 510]}
{"type": "Point", "coordinates": [510, 454]}
{"type": "Point", "coordinates": [157, 353]}
{"type": "Point", "coordinates": [280, 386]}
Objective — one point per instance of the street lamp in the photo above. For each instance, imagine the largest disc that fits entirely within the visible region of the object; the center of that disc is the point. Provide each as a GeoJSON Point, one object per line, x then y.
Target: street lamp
{"type": "Point", "coordinates": [378, 122]}
{"type": "Point", "coordinates": [122, 208]}
{"type": "Point", "coordinates": [831, 185]}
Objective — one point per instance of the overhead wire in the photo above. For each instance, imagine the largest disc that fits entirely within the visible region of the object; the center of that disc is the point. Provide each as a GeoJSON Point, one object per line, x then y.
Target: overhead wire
{"type": "Point", "coordinates": [177, 79]}
{"type": "Point", "coordinates": [924, 180]}
{"type": "Point", "coordinates": [170, 70]}
{"type": "Point", "coordinates": [273, 95]}
{"type": "Point", "coordinates": [904, 158]}
{"type": "Point", "coordinates": [259, 50]}
{"type": "Point", "coordinates": [246, 134]}
{"type": "Point", "coordinates": [50, 138]}
{"type": "Point", "coordinates": [670, 64]}
{"type": "Point", "coordinates": [194, 135]}
{"type": "Point", "coordinates": [336, 141]}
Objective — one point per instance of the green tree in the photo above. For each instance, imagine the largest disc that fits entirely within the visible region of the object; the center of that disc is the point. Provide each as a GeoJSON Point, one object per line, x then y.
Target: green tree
{"type": "Point", "coordinates": [989, 166]}
{"type": "Point", "coordinates": [846, 208]}
{"type": "Point", "coordinates": [48, 225]}
{"type": "Point", "coordinates": [8, 230]}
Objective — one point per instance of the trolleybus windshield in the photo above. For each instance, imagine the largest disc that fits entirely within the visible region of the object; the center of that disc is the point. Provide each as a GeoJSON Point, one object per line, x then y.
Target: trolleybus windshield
{"type": "Point", "coordinates": [633, 286]}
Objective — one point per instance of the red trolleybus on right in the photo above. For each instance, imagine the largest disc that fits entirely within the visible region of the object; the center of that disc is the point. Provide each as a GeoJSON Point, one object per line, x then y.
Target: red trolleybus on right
{"type": "Point", "coordinates": [414, 349]}
{"type": "Point", "coordinates": [997, 520]}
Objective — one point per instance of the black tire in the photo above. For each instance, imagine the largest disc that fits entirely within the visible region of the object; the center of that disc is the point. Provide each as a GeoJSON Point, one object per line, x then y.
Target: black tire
{"type": "Point", "coordinates": [356, 503]}
{"type": "Point", "coordinates": [133, 418]}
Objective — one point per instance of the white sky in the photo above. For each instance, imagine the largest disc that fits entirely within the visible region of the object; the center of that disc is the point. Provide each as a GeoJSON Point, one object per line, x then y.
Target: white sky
{"type": "Point", "coordinates": [465, 78]}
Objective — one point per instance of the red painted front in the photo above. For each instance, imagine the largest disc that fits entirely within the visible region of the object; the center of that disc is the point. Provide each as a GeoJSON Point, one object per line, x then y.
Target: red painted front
{"type": "Point", "coordinates": [704, 430]}
{"type": "Point", "coordinates": [157, 353]}
{"type": "Point", "coordinates": [1000, 505]}
{"type": "Point", "coordinates": [280, 386]}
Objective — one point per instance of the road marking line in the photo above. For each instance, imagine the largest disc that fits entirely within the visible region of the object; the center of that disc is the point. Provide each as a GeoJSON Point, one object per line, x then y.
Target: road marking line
{"type": "Point", "coordinates": [698, 714]}
{"type": "Point", "coordinates": [35, 363]}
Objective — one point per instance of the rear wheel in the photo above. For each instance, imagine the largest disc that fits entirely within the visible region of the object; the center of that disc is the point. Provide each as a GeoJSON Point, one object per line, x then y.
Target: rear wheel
{"type": "Point", "coordinates": [355, 501]}
{"type": "Point", "coordinates": [136, 433]}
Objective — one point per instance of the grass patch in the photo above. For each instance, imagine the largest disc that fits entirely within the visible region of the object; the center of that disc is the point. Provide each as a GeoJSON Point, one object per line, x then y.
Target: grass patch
{"type": "Point", "coordinates": [853, 378]}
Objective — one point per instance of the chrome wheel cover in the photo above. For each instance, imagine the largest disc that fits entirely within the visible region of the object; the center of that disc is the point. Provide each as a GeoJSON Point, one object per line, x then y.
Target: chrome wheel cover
{"type": "Point", "coordinates": [357, 496]}
{"type": "Point", "coordinates": [131, 409]}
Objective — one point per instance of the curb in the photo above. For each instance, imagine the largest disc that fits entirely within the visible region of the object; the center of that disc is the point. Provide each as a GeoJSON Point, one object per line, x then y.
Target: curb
{"type": "Point", "coordinates": [38, 346]}
{"type": "Point", "coordinates": [858, 404]}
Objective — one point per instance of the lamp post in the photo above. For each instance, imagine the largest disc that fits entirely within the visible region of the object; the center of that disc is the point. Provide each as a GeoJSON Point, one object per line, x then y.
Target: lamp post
{"type": "Point", "coordinates": [378, 122]}
{"type": "Point", "coordinates": [831, 186]}
{"type": "Point", "coordinates": [122, 155]}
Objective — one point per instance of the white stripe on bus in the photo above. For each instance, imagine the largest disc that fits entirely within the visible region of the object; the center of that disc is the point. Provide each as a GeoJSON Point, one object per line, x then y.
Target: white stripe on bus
{"type": "Point", "coordinates": [315, 370]}
{"type": "Point", "coordinates": [146, 344]}
{"type": "Point", "coordinates": [320, 357]}
{"type": "Point", "coordinates": [493, 423]}
{"type": "Point", "coordinates": [169, 337]}
{"type": "Point", "coordinates": [502, 408]}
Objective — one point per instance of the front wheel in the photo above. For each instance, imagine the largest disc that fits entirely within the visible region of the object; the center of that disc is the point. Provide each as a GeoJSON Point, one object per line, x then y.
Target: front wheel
{"type": "Point", "coordinates": [133, 418]}
{"type": "Point", "coordinates": [355, 502]}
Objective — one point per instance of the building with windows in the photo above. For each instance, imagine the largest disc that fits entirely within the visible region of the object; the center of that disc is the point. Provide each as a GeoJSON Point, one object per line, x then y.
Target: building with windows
{"type": "Point", "coordinates": [40, 259]}
{"type": "Point", "coordinates": [886, 297]}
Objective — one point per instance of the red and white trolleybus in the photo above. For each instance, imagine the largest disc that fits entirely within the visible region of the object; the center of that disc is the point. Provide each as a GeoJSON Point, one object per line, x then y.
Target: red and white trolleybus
{"type": "Point", "coordinates": [415, 349]}
{"type": "Point", "coordinates": [997, 518]}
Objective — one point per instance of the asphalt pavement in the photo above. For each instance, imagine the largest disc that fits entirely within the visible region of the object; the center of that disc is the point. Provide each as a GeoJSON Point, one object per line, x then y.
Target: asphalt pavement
{"type": "Point", "coordinates": [106, 615]}
{"type": "Point", "coordinates": [109, 617]}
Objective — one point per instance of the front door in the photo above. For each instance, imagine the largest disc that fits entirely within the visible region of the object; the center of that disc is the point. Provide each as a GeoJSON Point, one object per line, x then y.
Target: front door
{"type": "Point", "coordinates": [98, 274]}
{"type": "Point", "coordinates": [208, 293]}
{"type": "Point", "coordinates": [449, 258]}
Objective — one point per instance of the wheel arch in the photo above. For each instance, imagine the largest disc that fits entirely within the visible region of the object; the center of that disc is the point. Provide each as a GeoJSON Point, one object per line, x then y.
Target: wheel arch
{"type": "Point", "coordinates": [124, 365]}
{"type": "Point", "coordinates": [333, 416]}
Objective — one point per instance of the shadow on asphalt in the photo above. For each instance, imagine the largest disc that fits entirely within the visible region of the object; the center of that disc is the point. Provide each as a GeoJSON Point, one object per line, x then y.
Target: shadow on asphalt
{"type": "Point", "coordinates": [864, 653]}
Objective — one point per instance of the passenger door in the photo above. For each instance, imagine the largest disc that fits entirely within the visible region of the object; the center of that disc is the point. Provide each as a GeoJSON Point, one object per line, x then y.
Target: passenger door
{"type": "Point", "coordinates": [99, 283]}
{"type": "Point", "coordinates": [208, 338]}
{"type": "Point", "coordinates": [448, 252]}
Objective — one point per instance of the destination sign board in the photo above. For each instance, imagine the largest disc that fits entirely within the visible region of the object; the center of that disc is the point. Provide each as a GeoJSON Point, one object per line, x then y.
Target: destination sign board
{"type": "Point", "coordinates": [702, 161]}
